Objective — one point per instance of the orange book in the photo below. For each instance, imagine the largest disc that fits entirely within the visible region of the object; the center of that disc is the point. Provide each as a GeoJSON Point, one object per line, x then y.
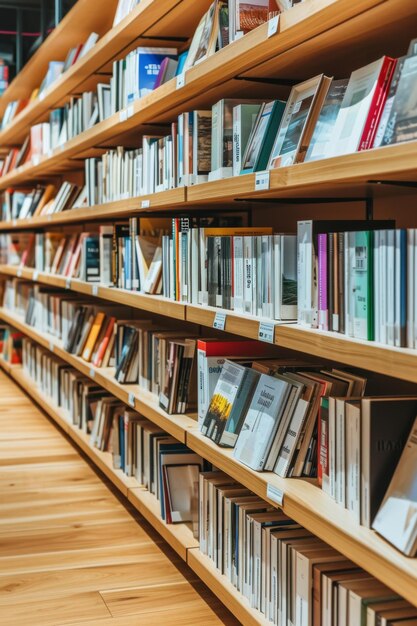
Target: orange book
{"type": "Point", "coordinates": [92, 337]}
{"type": "Point", "coordinates": [102, 347]}
{"type": "Point", "coordinates": [47, 196]}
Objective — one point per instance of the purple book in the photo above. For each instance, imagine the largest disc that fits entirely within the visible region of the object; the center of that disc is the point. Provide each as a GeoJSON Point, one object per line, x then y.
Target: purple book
{"type": "Point", "coordinates": [166, 71]}
{"type": "Point", "coordinates": [322, 282]}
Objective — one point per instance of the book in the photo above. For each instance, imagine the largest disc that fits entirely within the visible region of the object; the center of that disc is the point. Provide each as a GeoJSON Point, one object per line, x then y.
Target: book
{"type": "Point", "coordinates": [261, 139]}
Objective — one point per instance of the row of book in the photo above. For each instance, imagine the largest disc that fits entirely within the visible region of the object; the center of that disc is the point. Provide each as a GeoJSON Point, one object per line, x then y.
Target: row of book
{"type": "Point", "coordinates": [354, 277]}
{"type": "Point", "coordinates": [44, 199]}
{"type": "Point", "coordinates": [358, 278]}
{"type": "Point", "coordinates": [294, 417]}
{"type": "Point", "coordinates": [374, 104]}
{"type": "Point", "coordinates": [288, 574]}
{"type": "Point", "coordinates": [54, 71]}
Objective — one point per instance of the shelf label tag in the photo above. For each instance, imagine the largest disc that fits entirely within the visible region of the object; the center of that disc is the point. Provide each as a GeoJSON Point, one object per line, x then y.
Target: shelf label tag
{"type": "Point", "coordinates": [19, 272]}
{"type": "Point", "coordinates": [35, 275]}
{"type": "Point", "coordinates": [51, 346]}
{"type": "Point", "coordinates": [50, 217]}
{"type": "Point", "coordinates": [50, 153]}
{"type": "Point", "coordinates": [180, 80]}
{"type": "Point", "coordinates": [41, 96]}
{"type": "Point", "coordinates": [68, 283]}
{"type": "Point", "coordinates": [131, 399]}
{"type": "Point", "coordinates": [262, 181]}
{"type": "Point", "coordinates": [123, 115]}
{"type": "Point", "coordinates": [275, 494]}
{"type": "Point", "coordinates": [94, 290]}
{"type": "Point", "coordinates": [219, 320]}
{"type": "Point", "coordinates": [14, 222]}
{"type": "Point", "coordinates": [273, 25]}
{"type": "Point", "coordinates": [130, 110]}
{"type": "Point", "coordinates": [145, 204]}
{"type": "Point", "coordinates": [92, 373]}
{"type": "Point", "coordinates": [266, 332]}
{"type": "Point", "coordinates": [36, 159]}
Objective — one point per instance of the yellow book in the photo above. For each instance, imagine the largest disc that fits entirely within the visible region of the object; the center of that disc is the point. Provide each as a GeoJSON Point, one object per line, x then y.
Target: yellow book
{"type": "Point", "coordinates": [92, 337]}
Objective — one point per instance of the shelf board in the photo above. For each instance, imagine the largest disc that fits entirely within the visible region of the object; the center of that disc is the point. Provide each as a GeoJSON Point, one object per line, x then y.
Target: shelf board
{"type": "Point", "coordinates": [141, 400]}
{"type": "Point", "coordinates": [161, 201]}
{"type": "Point", "coordinates": [179, 536]}
{"type": "Point", "coordinates": [145, 302]}
{"type": "Point", "coordinates": [223, 589]}
{"type": "Point", "coordinates": [159, 17]}
{"type": "Point", "coordinates": [310, 506]}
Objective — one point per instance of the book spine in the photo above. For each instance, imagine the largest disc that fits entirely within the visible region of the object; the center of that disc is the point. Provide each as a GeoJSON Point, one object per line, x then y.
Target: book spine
{"type": "Point", "coordinates": [322, 282]}
{"type": "Point", "coordinates": [377, 105]}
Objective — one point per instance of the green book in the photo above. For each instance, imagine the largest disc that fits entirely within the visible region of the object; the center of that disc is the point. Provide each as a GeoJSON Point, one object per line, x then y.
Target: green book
{"type": "Point", "coordinates": [361, 284]}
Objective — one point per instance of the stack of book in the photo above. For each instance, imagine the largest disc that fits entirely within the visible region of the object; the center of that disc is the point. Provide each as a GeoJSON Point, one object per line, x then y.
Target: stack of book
{"type": "Point", "coordinates": [40, 200]}
{"type": "Point", "coordinates": [288, 574]}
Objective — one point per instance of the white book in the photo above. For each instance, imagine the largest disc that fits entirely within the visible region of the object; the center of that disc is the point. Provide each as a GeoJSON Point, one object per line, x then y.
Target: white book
{"type": "Point", "coordinates": [353, 456]}
{"type": "Point", "coordinates": [248, 263]}
{"type": "Point", "coordinates": [353, 113]}
{"type": "Point", "coordinates": [340, 461]}
{"type": "Point", "coordinates": [390, 289]}
{"type": "Point", "coordinates": [238, 274]}
{"type": "Point", "coordinates": [410, 286]}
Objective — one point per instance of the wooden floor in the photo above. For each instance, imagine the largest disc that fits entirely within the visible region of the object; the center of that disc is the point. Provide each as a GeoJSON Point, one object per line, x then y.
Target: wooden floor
{"type": "Point", "coordinates": [71, 551]}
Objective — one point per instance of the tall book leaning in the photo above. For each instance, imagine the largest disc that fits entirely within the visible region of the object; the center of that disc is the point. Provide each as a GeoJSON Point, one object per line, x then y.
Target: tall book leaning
{"type": "Point", "coordinates": [396, 519]}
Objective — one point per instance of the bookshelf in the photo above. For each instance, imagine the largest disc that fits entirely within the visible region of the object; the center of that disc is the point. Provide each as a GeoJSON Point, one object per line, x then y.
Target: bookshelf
{"type": "Point", "coordinates": [312, 37]}
{"type": "Point", "coordinates": [303, 501]}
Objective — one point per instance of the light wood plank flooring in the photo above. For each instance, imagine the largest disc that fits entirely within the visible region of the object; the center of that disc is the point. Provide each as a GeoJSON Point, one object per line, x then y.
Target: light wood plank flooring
{"type": "Point", "coordinates": [71, 551]}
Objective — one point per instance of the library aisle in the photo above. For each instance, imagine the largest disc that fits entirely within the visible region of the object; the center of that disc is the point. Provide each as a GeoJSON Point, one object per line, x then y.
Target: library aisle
{"type": "Point", "coordinates": [70, 551]}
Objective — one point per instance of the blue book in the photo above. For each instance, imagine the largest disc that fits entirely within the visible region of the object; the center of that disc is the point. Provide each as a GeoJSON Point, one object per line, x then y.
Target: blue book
{"type": "Point", "coordinates": [181, 62]}
{"type": "Point", "coordinates": [122, 441]}
{"type": "Point", "coordinates": [149, 63]}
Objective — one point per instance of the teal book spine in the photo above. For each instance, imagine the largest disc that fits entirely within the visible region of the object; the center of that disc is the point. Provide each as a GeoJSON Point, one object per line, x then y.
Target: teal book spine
{"type": "Point", "coordinates": [363, 322]}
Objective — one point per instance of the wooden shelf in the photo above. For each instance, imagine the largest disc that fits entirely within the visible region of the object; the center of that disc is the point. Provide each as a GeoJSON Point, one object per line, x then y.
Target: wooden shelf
{"type": "Point", "coordinates": [214, 78]}
{"type": "Point", "coordinates": [151, 18]}
{"type": "Point", "coordinates": [161, 201]}
{"type": "Point", "coordinates": [303, 500]}
{"type": "Point", "coordinates": [145, 302]}
{"type": "Point", "coordinates": [369, 355]}
{"type": "Point", "coordinates": [316, 511]}
{"type": "Point", "coordinates": [139, 399]}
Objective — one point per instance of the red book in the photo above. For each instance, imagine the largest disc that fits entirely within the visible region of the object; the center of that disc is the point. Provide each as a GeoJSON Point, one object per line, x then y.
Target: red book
{"type": "Point", "coordinates": [378, 102]}
{"type": "Point", "coordinates": [214, 347]}
{"type": "Point", "coordinates": [36, 139]}
{"type": "Point", "coordinates": [77, 53]}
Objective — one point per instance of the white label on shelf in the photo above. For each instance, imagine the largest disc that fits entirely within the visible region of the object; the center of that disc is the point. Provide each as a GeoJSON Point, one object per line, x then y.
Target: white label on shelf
{"type": "Point", "coordinates": [35, 275]}
{"type": "Point", "coordinates": [94, 290]}
{"type": "Point", "coordinates": [266, 332]}
{"type": "Point", "coordinates": [49, 218]}
{"type": "Point", "coordinates": [145, 204]}
{"type": "Point", "coordinates": [51, 346]}
{"type": "Point", "coordinates": [68, 283]}
{"type": "Point", "coordinates": [273, 25]}
{"type": "Point", "coordinates": [50, 153]}
{"type": "Point", "coordinates": [36, 159]}
{"type": "Point", "coordinates": [131, 399]}
{"type": "Point", "coordinates": [219, 320]}
{"type": "Point", "coordinates": [41, 95]}
{"type": "Point", "coordinates": [123, 115]}
{"type": "Point", "coordinates": [262, 181]}
{"type": "Point", "coordinates": [275, 494]}
{"type": "Point", "coordinates": [180, 80]}
{"type": "Point", "coordinates": [92, 373]}
{"type": "Point", "coordinates": [130, 110]}
{"type": "Point", "coordinates": [14, 222]}
{"type": "Point", "coordinates": [19, 272]}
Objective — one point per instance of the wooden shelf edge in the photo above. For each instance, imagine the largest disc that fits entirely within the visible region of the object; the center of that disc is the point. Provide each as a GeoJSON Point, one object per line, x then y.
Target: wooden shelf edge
{"type": "Point", "coordinates": [223, 589]}
{"type": "Point", "coordinates": [131, 395]}
{"type": "Point", "coordinates": [144, 302]}
{"type": "Point", "coordinates": [308, 505]}
{"type": "Point", "coordinates": [179, 536]}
